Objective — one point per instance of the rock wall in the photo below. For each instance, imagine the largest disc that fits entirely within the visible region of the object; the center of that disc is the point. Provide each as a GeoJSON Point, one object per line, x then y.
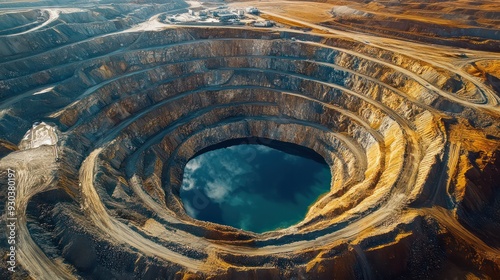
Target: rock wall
{"type": "Point", "coordinates": [133, 107]}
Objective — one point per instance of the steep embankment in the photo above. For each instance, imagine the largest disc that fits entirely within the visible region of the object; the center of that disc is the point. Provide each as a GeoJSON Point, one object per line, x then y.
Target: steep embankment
{"type": "Point", "coordinates": [409, 142]}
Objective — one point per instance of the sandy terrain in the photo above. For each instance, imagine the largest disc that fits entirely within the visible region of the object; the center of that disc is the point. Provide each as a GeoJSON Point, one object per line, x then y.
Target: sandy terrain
{"type": "Point", "coordinates": [408, 120]}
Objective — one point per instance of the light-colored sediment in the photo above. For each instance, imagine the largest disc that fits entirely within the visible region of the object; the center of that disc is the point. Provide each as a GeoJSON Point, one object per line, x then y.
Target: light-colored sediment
{"type": "Point", "coordinates": [410, 130]}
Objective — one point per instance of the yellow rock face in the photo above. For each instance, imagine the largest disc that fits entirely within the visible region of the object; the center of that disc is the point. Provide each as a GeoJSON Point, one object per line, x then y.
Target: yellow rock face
{"type": "Point", "coordinates": [408, 118]}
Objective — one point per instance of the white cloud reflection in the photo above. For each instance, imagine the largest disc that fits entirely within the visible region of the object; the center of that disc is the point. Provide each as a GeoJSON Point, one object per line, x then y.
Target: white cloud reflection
{"type": "Point", "coordinates": [219, 174]}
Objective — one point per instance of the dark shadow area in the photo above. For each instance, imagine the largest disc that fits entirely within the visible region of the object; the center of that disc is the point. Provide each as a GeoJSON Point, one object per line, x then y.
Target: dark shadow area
{"type": "Point", "coordinates": [285, 147]}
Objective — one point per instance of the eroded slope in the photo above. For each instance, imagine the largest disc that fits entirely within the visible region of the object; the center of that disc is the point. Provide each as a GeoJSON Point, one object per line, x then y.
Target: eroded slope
{"type": "Point", "coordinates": [411, 133]}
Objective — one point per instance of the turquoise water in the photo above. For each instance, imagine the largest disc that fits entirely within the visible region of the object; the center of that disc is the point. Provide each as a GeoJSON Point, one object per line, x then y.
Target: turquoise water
{"type": "Point", "coordinates": [252, 187]}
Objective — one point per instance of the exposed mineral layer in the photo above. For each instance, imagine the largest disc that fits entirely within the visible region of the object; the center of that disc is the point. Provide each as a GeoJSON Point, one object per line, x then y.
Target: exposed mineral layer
{"type": "Point", "coordinates": [411, 133]}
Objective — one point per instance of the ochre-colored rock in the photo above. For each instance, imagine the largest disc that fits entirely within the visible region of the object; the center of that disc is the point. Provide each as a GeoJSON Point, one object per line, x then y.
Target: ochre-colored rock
{"type": "Point", "coordinates": [403, 106]}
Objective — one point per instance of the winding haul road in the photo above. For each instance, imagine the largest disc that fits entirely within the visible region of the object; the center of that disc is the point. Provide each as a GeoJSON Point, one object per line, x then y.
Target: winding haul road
{"type": "Point", "coordinates": [35, 170]}
{"type": "Point", "coordinates": [53, 15]}
{"type": "Point", "coordinates": [413, 50]}
{"type": "Point", "coordinates": [402, 156]}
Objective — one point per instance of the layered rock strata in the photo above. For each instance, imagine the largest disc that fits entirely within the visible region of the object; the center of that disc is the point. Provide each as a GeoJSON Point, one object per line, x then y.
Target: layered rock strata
{"type": "Point", "coordinates": [412, 146]}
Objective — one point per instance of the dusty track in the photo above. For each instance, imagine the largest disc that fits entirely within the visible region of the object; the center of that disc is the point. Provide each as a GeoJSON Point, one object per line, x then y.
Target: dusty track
{"type": "Point", "coordinates": [134, 112]}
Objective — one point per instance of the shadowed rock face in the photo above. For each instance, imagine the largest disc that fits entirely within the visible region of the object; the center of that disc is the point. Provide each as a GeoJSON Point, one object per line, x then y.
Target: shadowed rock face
{"type": "Point", "coordinates": [412, 143]}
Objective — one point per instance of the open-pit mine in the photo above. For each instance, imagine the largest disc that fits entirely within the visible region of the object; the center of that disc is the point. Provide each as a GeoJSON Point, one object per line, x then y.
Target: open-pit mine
{"type": "Point", "coordinates": [103, 104]}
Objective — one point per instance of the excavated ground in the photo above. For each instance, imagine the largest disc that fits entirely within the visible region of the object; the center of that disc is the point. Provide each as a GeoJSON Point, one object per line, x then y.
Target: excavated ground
{"type": "Point", "coordinates": [411, 133]}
